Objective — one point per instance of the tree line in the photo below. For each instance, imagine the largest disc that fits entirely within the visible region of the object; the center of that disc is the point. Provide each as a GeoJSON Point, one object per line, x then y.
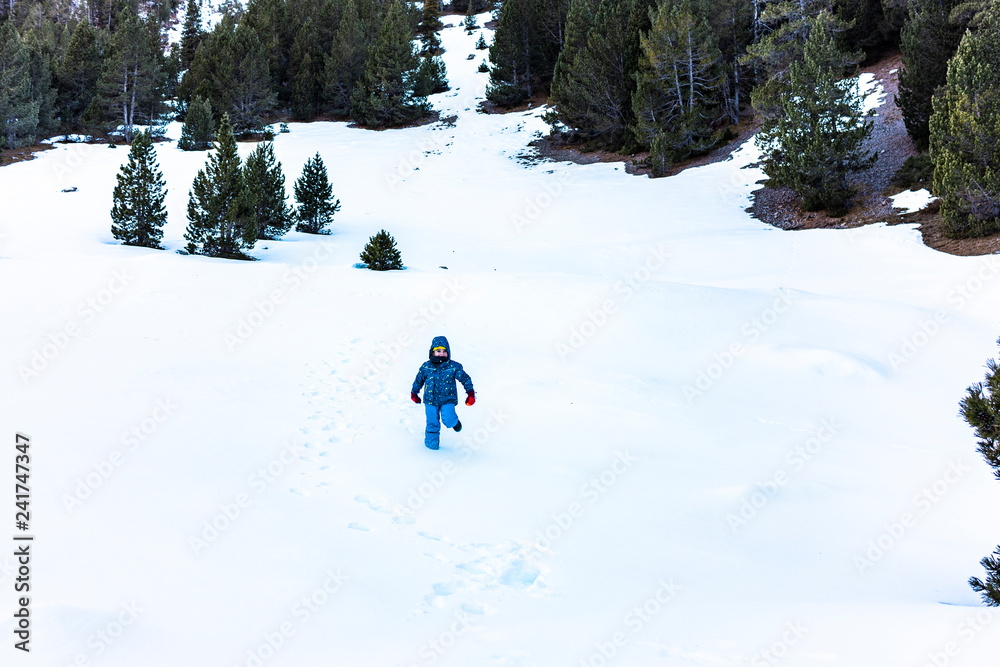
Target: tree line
{"type": "Point", "coordinates": [104, 66]}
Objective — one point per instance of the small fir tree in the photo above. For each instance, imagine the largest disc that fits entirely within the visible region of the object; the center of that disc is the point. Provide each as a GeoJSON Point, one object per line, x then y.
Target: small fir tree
{"type": "Point", "coordinates": [138, 213]}
{"type": "Point", "coordinates": [196, 133]}
{"type": "Point", "coordinates": [430, 77]}
{"type": "Point", "coordinates": [965, 134]}
{"type": "Point", "coordinates": [265, 183]}
{"type": "Point", "coordinates": [981, 409]}
{"type": "Point", "coordinates": [220, 222]}
{"type": "Point", "coordinates": [430, 25]}
{"type": "Point", "coordinates": [470, 18]}
{"type": "Point", "coordinates": [481, 44]}
{"type": "Point", "coordinates": [314, 195]}
{"type": "Point", "coordinates": [380, 254]}
{"type": "Point", "coordinates": [817, 140]}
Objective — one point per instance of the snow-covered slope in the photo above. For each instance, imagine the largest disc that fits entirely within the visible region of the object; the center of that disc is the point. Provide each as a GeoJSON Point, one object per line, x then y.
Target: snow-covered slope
{"type": "Point", "coordinates": [698, 440]}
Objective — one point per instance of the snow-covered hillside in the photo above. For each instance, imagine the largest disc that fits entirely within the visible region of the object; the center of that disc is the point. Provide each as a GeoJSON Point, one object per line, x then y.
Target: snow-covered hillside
{"type": "Point", "coordinates": [699, 440]}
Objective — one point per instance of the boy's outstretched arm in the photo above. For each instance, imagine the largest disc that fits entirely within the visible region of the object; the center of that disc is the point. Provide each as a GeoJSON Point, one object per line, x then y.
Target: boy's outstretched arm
{"type": "Point", "coordinates": [466, 381]}
{"type": "Point", "coordinates": [418, 382]}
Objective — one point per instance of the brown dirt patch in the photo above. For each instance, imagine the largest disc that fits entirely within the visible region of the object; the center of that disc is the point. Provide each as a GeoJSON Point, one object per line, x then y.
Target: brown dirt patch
{"type": "Point", "coordinates": [554, 148]}
{"type": "Point", "coordinates": [12, 155]}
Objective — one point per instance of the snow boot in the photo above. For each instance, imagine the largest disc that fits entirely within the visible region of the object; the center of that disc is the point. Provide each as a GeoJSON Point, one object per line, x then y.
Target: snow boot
{"type": "Point", "coordinates": [458, 427]}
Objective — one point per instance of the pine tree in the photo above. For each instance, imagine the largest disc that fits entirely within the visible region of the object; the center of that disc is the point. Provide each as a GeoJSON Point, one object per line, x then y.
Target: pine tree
{"type": "Point", "coordinates": [677, 101]}
{"type": "Point", "coordinates": [252, 97]}
{"type": "Point", "coordinates": [192, 33]}
{"type": "Point", "coordinates": [430, 77]}
{"type": "Point", "coordinates": [344, 65]}
{"type": "Point", "coordinates": [599, 82]}
{"type": "Point", "coordinates": [566, 91]}
{"type": "Point", "coordinates": [380, 253]}
{"type": "Point", "coordinates": [965, 134]}
{"type": "Point", "coordinates": [314, 195]}
{"type": "Point", "coordinates": [230, 69]}
{"type": "Point", "coordinates": [265, 183]}
{"type": "Point", "coordinates": [817, 140]}
{"type": "Point", "coordinates": [928, 41]}
{"type": "Point", "coordinates": [199, 126]}
{"type": "Point", "coordinates": [525, 49]}
{"type": "Point", "coordinates": [981, 410]}
{"type": "Point", "coordinates": [220, 221]}
{"type": "Point", "coordinates": [384, 95]}
{"type": "Point", "coordinates": [511, 78]}
{"type": "Point", "coordinates": [785, 26]}
{"type": "Point", "coordinates": [732, 24]}
{"type": "Point", "coordinates": [77, 74]}
{"type": "Point", "coordinates": [18, 111]}
{"type": "Point", "coordinates": [470, 19]}
{"type": "Point", "coordinates": [304, 80]}
{"type": "Point", "coordinates": [42, 56]}
{"type": "Point", "coordinates": [430, 25]}
{"type": "Point", "coordinates": [138, 213]}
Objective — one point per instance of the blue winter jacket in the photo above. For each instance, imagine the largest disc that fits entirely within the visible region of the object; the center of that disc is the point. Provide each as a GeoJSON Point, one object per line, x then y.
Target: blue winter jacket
{"type": "Point", "coordinates": [439, 375]}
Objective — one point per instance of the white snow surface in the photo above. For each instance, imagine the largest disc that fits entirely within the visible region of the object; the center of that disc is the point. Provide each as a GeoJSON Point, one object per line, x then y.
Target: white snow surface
{"type": "Point", "coordinates": [911, 201]}
{"type": "Point", "coordinates": [698, 440]}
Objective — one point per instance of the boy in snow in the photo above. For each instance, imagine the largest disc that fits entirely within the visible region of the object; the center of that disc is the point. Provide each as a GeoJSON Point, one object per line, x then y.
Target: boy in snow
{"type": "Point", "coordinates": [439, 374]}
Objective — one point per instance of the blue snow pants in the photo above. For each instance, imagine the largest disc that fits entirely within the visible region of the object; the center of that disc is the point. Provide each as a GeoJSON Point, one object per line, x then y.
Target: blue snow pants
{"type": "Point", "coordinates": [435, 415]}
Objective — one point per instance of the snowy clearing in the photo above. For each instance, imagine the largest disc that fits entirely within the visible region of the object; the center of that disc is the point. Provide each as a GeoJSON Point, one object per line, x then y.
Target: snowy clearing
{"type": "Point", "coordinates": [699, 440]}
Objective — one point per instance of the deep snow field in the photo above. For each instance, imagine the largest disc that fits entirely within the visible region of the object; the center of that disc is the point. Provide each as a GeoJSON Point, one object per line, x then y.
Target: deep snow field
{"type": "Point", "coordinates": [698, 440]}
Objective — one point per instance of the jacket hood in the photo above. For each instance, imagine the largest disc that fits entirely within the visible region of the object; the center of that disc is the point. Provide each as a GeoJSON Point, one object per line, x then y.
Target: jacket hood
{"type": "Point", "coordinates": [439, 341]}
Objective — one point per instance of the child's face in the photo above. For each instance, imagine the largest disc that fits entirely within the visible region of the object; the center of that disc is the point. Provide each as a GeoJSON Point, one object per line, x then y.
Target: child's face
{"type": "Point", "coordinates": [441, 353]}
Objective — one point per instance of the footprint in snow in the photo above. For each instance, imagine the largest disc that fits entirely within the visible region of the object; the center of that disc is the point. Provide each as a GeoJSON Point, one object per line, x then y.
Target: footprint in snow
{"type": "Point", "coordinates": [358, 526]}
{"type": "Point", "coordinates": [446, 588]}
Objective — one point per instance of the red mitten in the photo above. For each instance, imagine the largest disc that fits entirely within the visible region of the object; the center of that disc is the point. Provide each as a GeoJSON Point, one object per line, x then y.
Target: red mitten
{"type": "Point", "coordinates": [471, 398]}
{"type": "Point", "coordinates": [414, 397]}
